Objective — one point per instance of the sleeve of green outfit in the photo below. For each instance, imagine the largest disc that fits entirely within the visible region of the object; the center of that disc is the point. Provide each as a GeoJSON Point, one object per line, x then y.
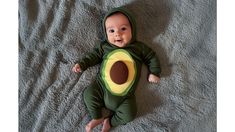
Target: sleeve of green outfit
{"type": "Point", "coordinates": [92, 58]}
{"type": "Point", "coordinates": [151, 60]}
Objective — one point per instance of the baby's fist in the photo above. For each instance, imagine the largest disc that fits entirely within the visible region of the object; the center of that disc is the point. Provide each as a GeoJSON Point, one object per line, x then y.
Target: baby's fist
{"type": "Point", "coordinates": [76, 68]}
{"type": "Point", "coordinates": [153, 78]}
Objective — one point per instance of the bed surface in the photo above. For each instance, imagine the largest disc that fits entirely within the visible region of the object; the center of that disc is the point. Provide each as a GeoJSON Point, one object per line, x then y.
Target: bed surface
{"type": "Point", "coordinates": [53, 34]}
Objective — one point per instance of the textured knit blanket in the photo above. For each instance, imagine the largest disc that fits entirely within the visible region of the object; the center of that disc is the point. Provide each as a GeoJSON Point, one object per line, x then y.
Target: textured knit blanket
{"type": "Point", "coordinates": [55, 33]}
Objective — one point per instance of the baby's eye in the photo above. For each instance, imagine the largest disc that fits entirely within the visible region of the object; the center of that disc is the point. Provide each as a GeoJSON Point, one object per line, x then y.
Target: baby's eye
{"type": "Point", "coordinates": [123, 28]}
{"type": "Point", "coordinates": [111, 31]}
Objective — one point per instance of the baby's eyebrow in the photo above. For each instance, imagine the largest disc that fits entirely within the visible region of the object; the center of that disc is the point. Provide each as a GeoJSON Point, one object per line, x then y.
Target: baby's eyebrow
{"type": "Point", "coordinates": [127, 25]}
{"type": "Point", "coordinates": [109, 27]}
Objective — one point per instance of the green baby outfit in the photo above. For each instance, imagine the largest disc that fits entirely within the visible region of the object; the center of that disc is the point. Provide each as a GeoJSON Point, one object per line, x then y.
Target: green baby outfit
{"type": "Point", "coordinates": [119, 74]}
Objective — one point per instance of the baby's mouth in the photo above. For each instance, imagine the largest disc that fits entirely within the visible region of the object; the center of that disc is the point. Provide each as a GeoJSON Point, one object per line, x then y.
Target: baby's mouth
{"type": "Point", "coordinates": [118, 40]}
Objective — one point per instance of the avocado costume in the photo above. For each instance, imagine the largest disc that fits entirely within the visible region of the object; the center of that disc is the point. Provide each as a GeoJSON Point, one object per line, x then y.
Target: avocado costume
{"type": "Point", "coordinates": [116, 82]}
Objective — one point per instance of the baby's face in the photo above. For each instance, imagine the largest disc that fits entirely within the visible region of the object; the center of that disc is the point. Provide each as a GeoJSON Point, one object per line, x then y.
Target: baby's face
{"type": "Point", "coordinates": [118, 29]}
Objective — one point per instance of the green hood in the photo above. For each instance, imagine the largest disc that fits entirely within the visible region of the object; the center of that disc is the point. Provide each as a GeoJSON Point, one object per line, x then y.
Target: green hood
{"type": "Point", "coordinates": [129, 16]}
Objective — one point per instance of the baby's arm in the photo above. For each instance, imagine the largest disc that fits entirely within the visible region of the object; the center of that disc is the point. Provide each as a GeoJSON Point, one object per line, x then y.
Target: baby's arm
{"type": "Point", "coordinates": [90, 59]}
{"type": "Point", "coordinates": [153, 78]}
{"type": "Point", "coordinates": [76, 68]}
{"type": "Point", "coordinates": [151, 60]}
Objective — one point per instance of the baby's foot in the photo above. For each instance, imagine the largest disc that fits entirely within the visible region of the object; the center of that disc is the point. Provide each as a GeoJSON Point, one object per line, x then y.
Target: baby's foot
{"type": "Point", "coordinates": [106, 125]}
{"type": "Point", "coordinates": [93, 123]}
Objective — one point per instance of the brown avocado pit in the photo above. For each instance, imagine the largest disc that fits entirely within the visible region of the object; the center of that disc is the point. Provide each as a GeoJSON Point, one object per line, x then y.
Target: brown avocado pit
{"type": "Point", "coordinates": [119, 72]}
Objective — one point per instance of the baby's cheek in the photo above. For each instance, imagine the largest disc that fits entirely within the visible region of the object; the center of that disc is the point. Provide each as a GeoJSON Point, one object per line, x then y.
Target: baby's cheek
{"type": "Point", "coordinates": [110, 39]}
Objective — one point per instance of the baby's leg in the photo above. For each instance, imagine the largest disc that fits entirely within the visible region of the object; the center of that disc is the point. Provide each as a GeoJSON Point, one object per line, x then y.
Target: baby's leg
{"type": "Point", "coordinates": [93, 98]}
{"type": "Point", "coordinates": [106, 125]}
{"type": "Point", "coordinates": [93, 123]}
{"type": "Point", "coordinates": [125, 113]}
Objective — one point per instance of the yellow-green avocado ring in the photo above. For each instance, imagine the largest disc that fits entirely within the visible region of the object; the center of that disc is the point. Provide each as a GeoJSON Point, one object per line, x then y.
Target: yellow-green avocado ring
{"type": "Point", "coordinates": [112, 57]}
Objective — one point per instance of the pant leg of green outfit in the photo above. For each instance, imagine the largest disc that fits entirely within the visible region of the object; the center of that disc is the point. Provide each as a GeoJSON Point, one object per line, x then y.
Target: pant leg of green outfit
{"type": "Point", "coordinates": [94, 100]}
{"type": "Point", "coordinates": [125, 113]}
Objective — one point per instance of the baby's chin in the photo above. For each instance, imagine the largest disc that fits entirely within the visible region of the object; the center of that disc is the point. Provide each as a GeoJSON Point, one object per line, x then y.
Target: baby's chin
{"type": "Point", "coordinates": [119, 44]}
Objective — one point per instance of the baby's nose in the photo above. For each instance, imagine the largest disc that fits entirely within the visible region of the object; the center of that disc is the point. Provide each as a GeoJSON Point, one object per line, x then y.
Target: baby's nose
{"type": "Point", "coordinates": [117, 33]}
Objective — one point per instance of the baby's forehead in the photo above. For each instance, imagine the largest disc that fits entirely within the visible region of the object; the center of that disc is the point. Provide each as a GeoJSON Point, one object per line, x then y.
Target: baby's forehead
{"type": "Point", "coordinates": [117, 14]}
{"type": "Point", "coordinates": [117, 18]}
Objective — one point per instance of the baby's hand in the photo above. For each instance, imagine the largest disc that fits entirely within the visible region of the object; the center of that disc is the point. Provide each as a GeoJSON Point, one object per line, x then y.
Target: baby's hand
{"type": "Point", "coordinates": [153, 78]}
{"type": "Point", "coordinates": [76, 68]}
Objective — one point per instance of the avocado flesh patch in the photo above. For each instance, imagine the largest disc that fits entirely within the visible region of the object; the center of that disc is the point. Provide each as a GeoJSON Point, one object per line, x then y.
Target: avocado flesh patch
{"type": "Point", "coordinates": [112, 58]}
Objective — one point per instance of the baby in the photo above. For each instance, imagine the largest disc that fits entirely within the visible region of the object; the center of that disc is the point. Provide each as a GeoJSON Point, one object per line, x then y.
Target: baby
{"type": "Point", "coordinates": [121, 57]}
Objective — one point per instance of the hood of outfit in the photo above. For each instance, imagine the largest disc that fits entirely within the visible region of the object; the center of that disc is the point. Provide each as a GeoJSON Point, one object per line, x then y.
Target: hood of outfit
{"type": "Point", "coordinates": [128, 15]}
